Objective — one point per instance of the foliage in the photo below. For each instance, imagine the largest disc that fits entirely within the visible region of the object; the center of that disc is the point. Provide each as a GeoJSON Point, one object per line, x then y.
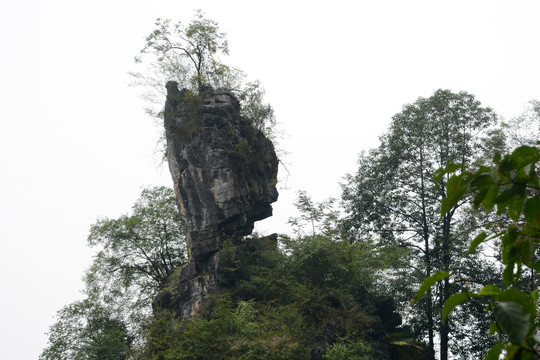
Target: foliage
{"type": "Point", "coordinates": [245, 331]}
{"type": "Point", "coordinates": [393, 199]}
{"type": "Point", "coordinates": [253, 151]}
{"type": "Point", "coordinates": [255, 110]}
{"type": "Point", "coordinates": [351, 350]}
{"type": "Point", "coordinates": [190, 113]}
{"type": "Point", "coordinates": [282, 302]}
{"type": "Point", "coordinates": [137, 253]}
{"type": "Point", "coordinates": [511, 186]}
{"type": "Point", "coordinates": [84, 330]}
{"type": "Point", "coordinates": [190, 49]}
{"type": "Point", "coordinates": [189, 55]}
{"type": "Point", "coordinates": [316, 287]}
{"type": "Point", "coordinates": [320, 217]}
{"type": "Point", "coordinates": [525, 128]}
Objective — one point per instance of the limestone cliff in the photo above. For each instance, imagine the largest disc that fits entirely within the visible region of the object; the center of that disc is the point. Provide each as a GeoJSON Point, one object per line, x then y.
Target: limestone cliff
{"type": "Point", "coordinates": [224, 173]}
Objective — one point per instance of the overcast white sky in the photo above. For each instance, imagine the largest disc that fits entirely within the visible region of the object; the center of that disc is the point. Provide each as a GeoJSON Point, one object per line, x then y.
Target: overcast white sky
{"type": "Point", "coordinates": [75, 143]}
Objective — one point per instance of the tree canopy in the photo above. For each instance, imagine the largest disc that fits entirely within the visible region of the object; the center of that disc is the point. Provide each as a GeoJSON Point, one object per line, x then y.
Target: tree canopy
{"type": "Point", "coordinates": [190, 55]}
{"type": "Point", "coordinates": [509, 186]}
{"type": "Point", "coordinates": [395, 199]}
{"type": "Point", "coordinates": [136, 254]}
{"type": "Point", "coordinates": [84, 330]}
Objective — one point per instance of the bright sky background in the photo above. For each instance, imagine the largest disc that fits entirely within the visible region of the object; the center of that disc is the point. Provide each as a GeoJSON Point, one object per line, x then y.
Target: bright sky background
{"type": "Point", "coordinates": [75, 144]}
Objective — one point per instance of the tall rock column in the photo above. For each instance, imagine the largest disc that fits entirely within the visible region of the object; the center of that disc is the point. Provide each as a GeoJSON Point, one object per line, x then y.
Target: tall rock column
{"type": "Point", "coordinates": [224, 173]}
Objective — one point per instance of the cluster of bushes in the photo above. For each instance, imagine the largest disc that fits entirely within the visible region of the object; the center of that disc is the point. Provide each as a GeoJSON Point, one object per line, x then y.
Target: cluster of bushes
{"type": "Point", "coordinates": [302, 299]}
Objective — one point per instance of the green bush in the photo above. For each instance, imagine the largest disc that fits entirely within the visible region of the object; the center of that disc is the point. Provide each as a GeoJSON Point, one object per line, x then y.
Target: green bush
{"type": "Point", "coordinates": [228, 331]}
{"type": "Point", "coordinates": [282, 302]}
{"type": "Point", "coordinates": [349, 350]}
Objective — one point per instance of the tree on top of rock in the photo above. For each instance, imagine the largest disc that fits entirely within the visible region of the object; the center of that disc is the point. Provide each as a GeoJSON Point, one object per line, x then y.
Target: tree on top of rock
{"type": "Point", "coordinates": [189, 54]}
{"type": "Point", "coordinates": [189, 50]}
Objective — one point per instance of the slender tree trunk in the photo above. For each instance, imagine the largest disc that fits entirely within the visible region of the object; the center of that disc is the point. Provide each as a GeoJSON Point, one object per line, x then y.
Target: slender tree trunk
{"type": "Point", "coordinates": [445, 291]}
{"type": "Point", "coordinates": [427, 260]}
{"type": "Point", "coordinates": [445, 329]}
{"type": "Point", "coordinates": [429, 298]}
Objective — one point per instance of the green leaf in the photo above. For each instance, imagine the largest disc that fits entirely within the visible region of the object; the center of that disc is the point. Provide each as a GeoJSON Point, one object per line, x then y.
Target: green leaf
{"type": "Point", "coordinates": [497, 157]}
{"type": "Point", "coordinates": [510, 252]}
{"type": "Point", "coordinates": [494, 328]}
{"type": "Point", "coordinates": [477, 241]}
{"type": "Point", "coordinates": [429, 282]}
{"type": "Point", "coordinates": [512, 320]}
{"type": "Point", "coordinates": [508, 274]}
{"type": "Point", "coordinates": [482, 181]}
{"type": "Point", "coordinates": [508, 194]}
{"type": "Point", "coordinates": [536, 266]}
{"type": "Point", "coordinates": [490, 290]}
{"type": "Point", "coordinates": [515, 207]}
{"type": "Point", "coordinates": [507, 164]}
{"type": "Point", "coordinates": [450, 168]}
{"type": "Point", "coordinates": [514, 352]}
{"type": "Point", "coordinates": [519, 297]}
{"type": "Point", "coordinates": [479, 197]}
{"type": "Point", "coordinates": [531, 211]}
{"type": "Point", "coordinates": [527, 247]}
{"type": "Point", "coordinates": [524, 155]}
{"type": "Point", "coordinates": [535, 295]}
{"type": "Point", "coordinates": [455, 192]}
{"type": "Point", "coordinates": [455, 300]}
{"type": "Point", "coordinates": [495, 351]}
{"type": "Point", "coordinates": [489, 199]}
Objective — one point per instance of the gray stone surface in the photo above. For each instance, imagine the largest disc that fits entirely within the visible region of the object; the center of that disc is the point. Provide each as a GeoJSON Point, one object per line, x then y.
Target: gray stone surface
{"type": "Point", "coordinates": [224, 173]}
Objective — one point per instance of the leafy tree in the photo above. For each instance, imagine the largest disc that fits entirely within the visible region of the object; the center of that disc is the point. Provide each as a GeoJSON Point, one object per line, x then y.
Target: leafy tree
{"type": "Point", "coordinates": [511, 186]}
{"type": "Point", "coordinates": [195, 44]}
{"type": "Point", "coordinates": [189, 55]}
{"type": "Point", "coordinates": [525, 128]}
{"type": "Point", "coordinates": [84, 330]}
{"type": "Point", "coordinates": [394, 198]}
{"type": "Point", "coordinates": [137, 253]}
{"type": "Point", "coordinates": [321, 218]}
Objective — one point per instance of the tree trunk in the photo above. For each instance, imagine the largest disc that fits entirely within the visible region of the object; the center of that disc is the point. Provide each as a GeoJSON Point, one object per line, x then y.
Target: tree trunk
{"type": "Point", "coordinates": [427, 259]}
{"type": "Point", "coordinates": [445, 290]}
{"type": "Point", "coordinates": [429, 298]}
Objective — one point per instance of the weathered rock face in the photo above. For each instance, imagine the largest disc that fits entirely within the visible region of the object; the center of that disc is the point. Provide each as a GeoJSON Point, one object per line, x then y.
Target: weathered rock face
{"type": "Point", "coordinates": [225, 174]}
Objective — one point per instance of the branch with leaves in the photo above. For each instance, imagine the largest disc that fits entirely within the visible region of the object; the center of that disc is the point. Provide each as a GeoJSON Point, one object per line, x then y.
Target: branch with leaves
{"type": "Point", "coordinates": [511, 186]}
